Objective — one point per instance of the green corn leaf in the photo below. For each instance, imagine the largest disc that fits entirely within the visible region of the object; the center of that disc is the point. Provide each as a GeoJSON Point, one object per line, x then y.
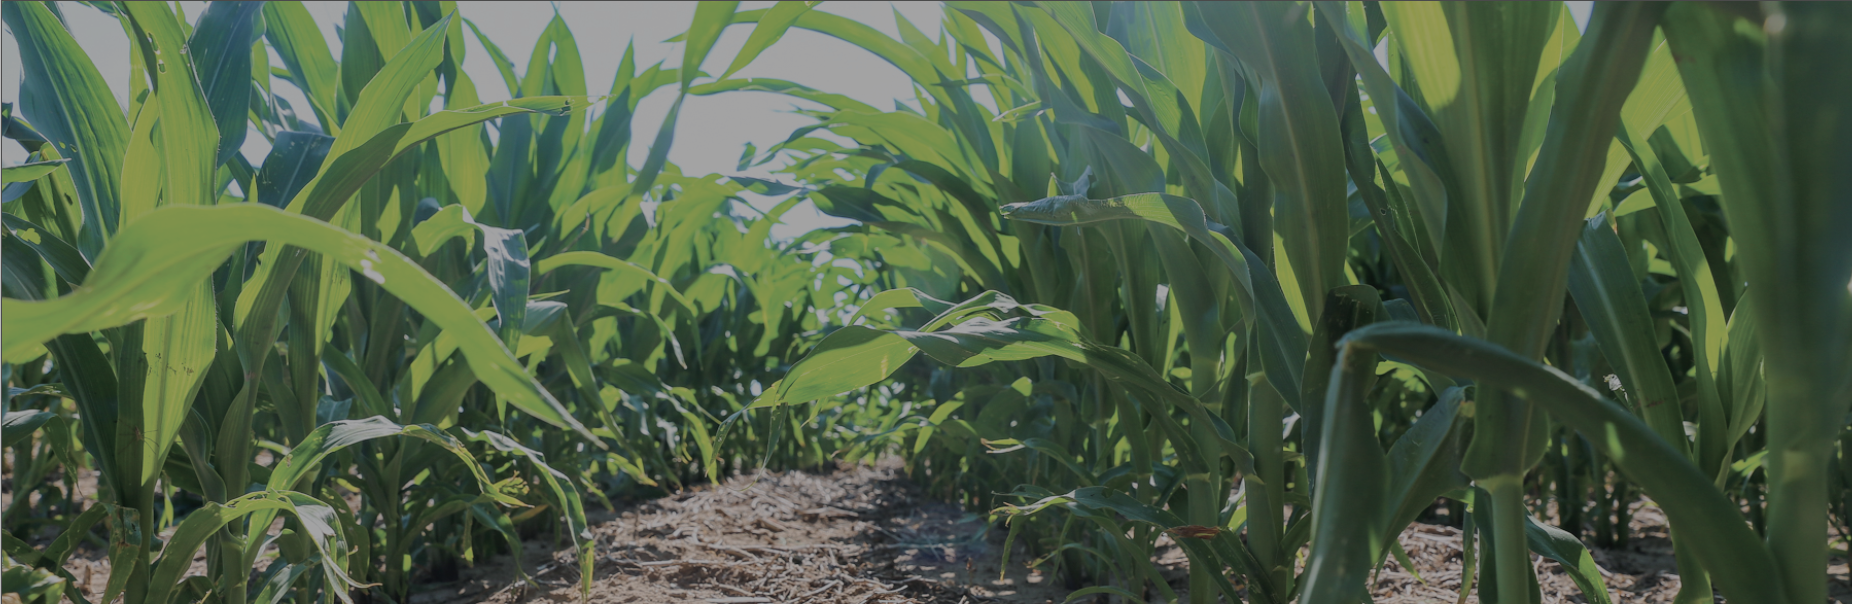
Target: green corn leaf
{"type": "Point", "coordinates": [61, 548]}
{"type": "Point", "coordinates": [1566, 550]}
{"type": "Point", "coordinates": [464, 160]}
{"type": "Point", "coordinates": [1102, 589]}
{"type": "Point", "coordinates": [144, 161]}
{"type": "Point", "coordinates": [1080, 22]}
{"type": "Point", "coordinates": [30, 583]}
{"type": "Point", "coordinates": [1415, 140]}
{"type": "Point", "coordinates": [793, 89]}
{"type": "Point", "coordinates": [1223, 548]}
{"type": "Point", "coordinates": [315, 517]}
{"type": "Point", "coordinates": [220, 48]}
{"type": "Point", "coordinates": [92, 381]}
{"type": "Point", "coordinates": [386, 26]}
{"type": "Point", "coordinates": [1593, 84]}
{"type": "Point", "coordinates": [900, 298]}
{"type": "Point", "coordinates": [1476, 66]}
{"type": "Point", "coordinates": [361, 60]}
{"type": "Point", "coordinates": [139, 272]}
{"type": "Point", "coordinates": [1660, 94]}
{"type": "Point", "coordinates": [1156, 34]}
{"type": "Point", "coordinates": [1353, 481]}
{"type": "Point", "coordinates": [1283, 343]}
{"type": "Point", "coordinates": [1346, 308]}
{"type": "Point", "coordinates": [502, 63]}
{"type": "Point", "coordinates": [187, 160]}
{"type": "Point", "coordinates": [294, 160]}
{"type": "Point", "coordinates": [624, 267]}
{"type": "Point", "coordinates": [340, 178]}
{"type": "Point", "coordinates": [1743, 359]}
{"type": "Point", "coordinates": [856, 356]}
{"type": "Point", "coordinates": [1702, 300]}
{"type": "Point", "coordinates": [771, 27]}
{"type": "Point", "coordinates": [616, 310]}
{"type": "Point", "coordinates": [1760, 86]}
{"type": "Point", "coordinates": [316, 298]}
{"type": "Point", "coordinates": [1053, 451]}
{"type": "Point", "coordinates": [17, 425]}
{"type": "Point", "coordinates": [380, 104]}
{"type": "Point", "coordinates": [298, 41]}
{"type": "Point", "coordinates": [1298, 138]}
{"type": "Point", "coordinates": [448, 223]}
{"type": "Point", "coordinates": [276, 586]}
{"type": "Point", "coordinates": [127, 548]}
{"type": "Point", "coordinates": [578, 366]}
{"type": "Point", "coordinates": [1734, 556]}
{"type": "Point", "coordinates": [66, 98]}
{"type": "Point", "coordinates": [347, 169]}
{"type": "Point", "coordinates": [65, 260]}
{"type": "Point", "coordinates": [366, 396]}
{"type": "Point", "coordinates": [564, 494]}
{"type": "Point", "coordinates": [179, 349]}
{"type": "Point", "coordinates": [1424, 463]}
{"type": "Point", "coordinates": [30, 170]}
{"type": "Point", "coordinates": [497, 519]}
{"type": "Point", "coordinates": [508, 265]}
{"type": "Point", "coordinates": [905, 57]}
{"type": "Point", "coordinates": [849, 358]}
{"type": "Point", "coordinates": [710, 18]}
{"type": "Point", "coordinates": [305, 459]}
{"type": "Point", "coordinates": [1610, 300]}
{"type": "Point", "coordinates": [1129, 169]}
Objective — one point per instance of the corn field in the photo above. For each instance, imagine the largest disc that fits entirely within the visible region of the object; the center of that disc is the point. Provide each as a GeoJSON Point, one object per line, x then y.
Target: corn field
{"type": "Point", "coordinates": [1119, 274]}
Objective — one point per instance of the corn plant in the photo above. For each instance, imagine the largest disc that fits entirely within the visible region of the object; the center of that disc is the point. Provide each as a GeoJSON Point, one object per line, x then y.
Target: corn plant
{"type": "Point", "coordinates": [393, 307]}
{"type": "Point", "coordinates": [1313, 267]}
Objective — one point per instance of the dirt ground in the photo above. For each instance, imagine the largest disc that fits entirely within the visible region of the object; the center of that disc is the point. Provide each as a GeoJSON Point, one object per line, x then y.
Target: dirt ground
{"type": "Point", "coordinates": [858, 535]}
{"type": "Point", "coordinates": [866, 535]}
{"type": "Point", "coordinates": [1642, 572]}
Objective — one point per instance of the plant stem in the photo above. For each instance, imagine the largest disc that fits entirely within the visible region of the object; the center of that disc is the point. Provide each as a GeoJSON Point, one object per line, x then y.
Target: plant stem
{"type": "Point", "coordinates": [1513, 558]}
{"type": "Point", "coordinates": [1264, 494]}
{"type": "Point", "coordinates": [1797, 519]}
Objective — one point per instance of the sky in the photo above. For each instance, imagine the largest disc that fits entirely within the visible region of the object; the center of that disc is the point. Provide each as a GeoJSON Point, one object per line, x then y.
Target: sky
{"type": "Point", "coordinates": [712, 130]}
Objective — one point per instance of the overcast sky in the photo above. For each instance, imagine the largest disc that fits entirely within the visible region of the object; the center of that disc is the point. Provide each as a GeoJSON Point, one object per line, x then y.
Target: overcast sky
{"type": "Point", "coordinates": [712, 130]}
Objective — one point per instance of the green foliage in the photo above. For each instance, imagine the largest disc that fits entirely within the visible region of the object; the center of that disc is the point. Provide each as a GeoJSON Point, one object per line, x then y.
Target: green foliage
{"type": "Point", "coordinates": [1268, 280]}
{"type": "Point", "coordinates": [1529, 217]}
{"type": "Point", "coordinates": [391, 308]}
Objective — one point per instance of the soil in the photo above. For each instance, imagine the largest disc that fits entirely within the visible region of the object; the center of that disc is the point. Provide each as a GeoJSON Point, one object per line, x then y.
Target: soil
{"type": "Point", "coordinates": [867, 535]}
{"type": "Point", "coordinates": [863, 535]}
{"type": "Point", "coordinates": [1643, 571]}
{"type": "Point", "coordinates": [857, 535]}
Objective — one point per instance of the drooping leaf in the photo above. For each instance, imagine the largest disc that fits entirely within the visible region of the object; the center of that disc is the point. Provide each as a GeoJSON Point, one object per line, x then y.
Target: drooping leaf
{"type": "Point", "coordinates": [771, 27]}
{"type": "Point", "coordinates": [159, 284]}
{"type": "Point", "coordinates": [30, 170]}
{"type": "Point", "coordinates": [1730, 552]}
{"type": "Point", "coordinates": [315, 517]}
{"type": "Point", "coordinates": [1557, 544]}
